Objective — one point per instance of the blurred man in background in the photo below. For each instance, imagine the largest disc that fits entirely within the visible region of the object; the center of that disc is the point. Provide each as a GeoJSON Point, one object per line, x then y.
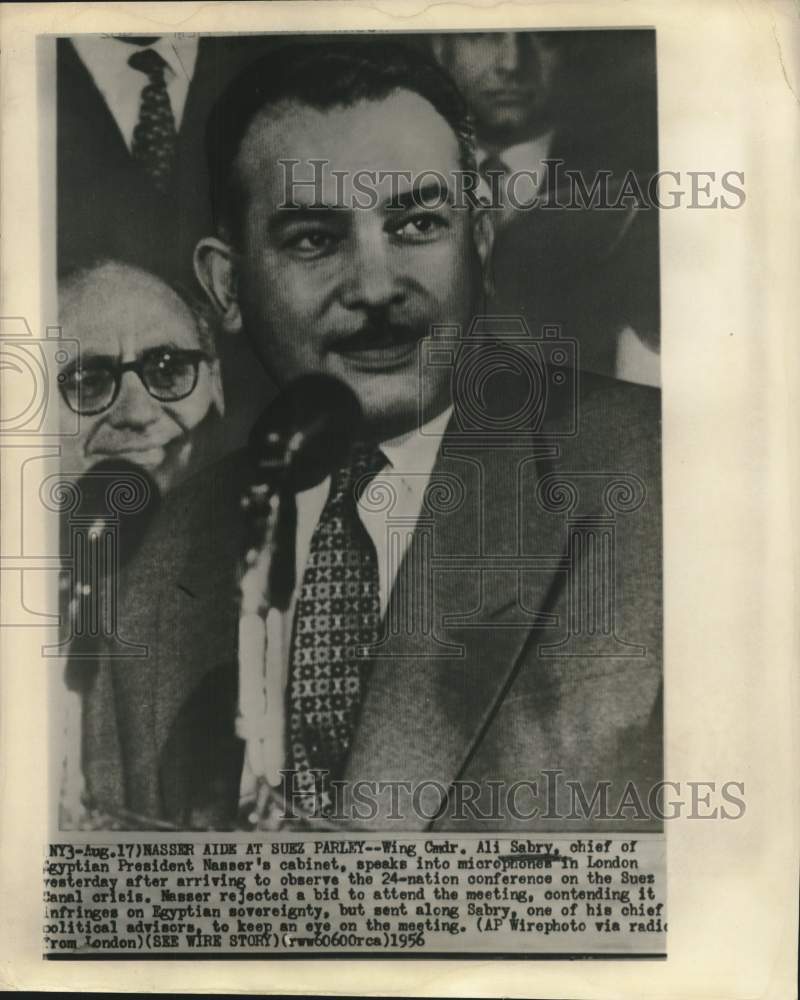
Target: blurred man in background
{"type": "Point", "coordinates": [510, 81]}
{"type": "Point", "coordinates": [547, 104]}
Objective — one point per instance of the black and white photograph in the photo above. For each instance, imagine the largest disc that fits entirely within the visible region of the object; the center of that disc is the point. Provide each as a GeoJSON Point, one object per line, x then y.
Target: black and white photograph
{"type": "Point", "coordinates": [361, 520]}
{"type": "Point", "coordinates": [414, 583]}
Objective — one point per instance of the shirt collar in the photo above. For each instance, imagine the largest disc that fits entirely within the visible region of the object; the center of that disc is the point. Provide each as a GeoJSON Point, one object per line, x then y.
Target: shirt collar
{"type": "Point", "coordinates": [180, 54]}
{"type": "Point", "coordinates": [524, 155]}
{"type": "Point", "coordinates": [98, 52]}
{"type": "Point", "coordinates": [416, 450]}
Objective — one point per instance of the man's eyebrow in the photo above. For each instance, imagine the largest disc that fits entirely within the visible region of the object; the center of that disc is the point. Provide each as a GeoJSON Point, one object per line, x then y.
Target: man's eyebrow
{"type": "Point", "coordinates": [165, 345]}
{"type": "Point", "coordinates": [101, 358]}
{"type": "Point", "coordinates": [289, 213]}
{"type": "Point", "coordinates": [93, 357]}
{"type": "Point", "coordinates": [435, 192]}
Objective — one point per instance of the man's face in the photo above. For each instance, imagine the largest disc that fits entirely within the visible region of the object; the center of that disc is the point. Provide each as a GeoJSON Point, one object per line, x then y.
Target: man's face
{"type": "Point", "coordinates": [118, 315]}
{"type": "Point", "coordinates": [349, 291]}
{"type": "Point", "coordinates": [507, 78]}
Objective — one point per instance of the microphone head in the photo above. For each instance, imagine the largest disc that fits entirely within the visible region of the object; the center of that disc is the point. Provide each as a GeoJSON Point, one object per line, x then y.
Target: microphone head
{"type": "Point", "coordinates": [306, 432]}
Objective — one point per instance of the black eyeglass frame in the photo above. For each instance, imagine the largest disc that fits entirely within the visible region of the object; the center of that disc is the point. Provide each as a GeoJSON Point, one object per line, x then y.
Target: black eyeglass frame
{"type": "Point", "coordinates": [195, 357]}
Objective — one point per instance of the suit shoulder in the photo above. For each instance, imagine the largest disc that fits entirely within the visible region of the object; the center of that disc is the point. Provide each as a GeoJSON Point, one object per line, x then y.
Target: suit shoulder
{"type": "Point", "coordinates": [625, 411]}
{"type": "Point", "coordinates": [216, 486]}
{"type": "Point", "coordinates": [601, 391]}
{"type": "Point", "coordinates": [194, 521]}
{"type": "Point", "coordinates": [612, 425]}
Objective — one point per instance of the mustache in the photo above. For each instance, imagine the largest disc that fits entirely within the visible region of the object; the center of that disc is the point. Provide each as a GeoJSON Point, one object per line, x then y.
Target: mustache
{"type": "Point", "coordinates": [380, 332]}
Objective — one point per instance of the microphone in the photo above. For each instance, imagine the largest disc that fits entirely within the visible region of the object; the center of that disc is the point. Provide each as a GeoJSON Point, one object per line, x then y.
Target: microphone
{"type": "Point", "coordinates": [305, 433]}
{"type": "Point", "coordinates": [302, 437]}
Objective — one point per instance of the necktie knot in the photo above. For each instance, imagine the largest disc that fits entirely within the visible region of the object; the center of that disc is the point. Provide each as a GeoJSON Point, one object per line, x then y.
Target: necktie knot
{"type": "Point", "coordinates": [364, 463]}
{"type": "Point", "coordinates": [149, 62]}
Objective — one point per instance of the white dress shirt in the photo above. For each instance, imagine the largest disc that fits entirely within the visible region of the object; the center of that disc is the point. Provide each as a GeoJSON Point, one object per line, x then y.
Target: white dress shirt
{"type": "Point", "coordinates": [409, 463]}
{"type": "Point", "coordinates": [636, 360]}
{"type": "Point", "coordinates": [107, 58]}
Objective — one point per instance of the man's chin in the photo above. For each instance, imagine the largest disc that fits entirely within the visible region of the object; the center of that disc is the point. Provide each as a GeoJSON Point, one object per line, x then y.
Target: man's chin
{"type": "Point", "coordinates": [508, 123]}
{"type": "Point", "coordinates": [386, 387]}
{"type": "Point", "coordinates": [150, 459]}
{"type": "Point", "coordinates": [165, 464]}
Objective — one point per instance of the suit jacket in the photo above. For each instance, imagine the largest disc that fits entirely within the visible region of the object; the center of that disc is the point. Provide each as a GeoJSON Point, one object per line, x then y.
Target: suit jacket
{"type": "Point", "coordinates": [496, 667]}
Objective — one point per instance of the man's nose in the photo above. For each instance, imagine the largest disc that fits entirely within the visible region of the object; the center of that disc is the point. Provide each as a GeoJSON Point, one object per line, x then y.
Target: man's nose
{"type": "Point", "coordinates": [134, 406]}
{"type": "Point", "coordinates": [370, 280]}
{"type": "Point", "coordinates": [508, 52]}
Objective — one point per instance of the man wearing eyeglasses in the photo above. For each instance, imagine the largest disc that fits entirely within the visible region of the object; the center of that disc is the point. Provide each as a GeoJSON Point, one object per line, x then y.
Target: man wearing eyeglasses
{"type": "Point", "coordinates": [147, 378]}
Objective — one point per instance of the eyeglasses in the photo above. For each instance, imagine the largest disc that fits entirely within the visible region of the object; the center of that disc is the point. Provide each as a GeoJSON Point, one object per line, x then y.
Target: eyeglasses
{"type": "Point", "coordinates": [168, 373]}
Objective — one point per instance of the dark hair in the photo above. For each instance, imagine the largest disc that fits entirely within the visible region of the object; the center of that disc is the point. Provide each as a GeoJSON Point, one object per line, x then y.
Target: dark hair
{"type": "Point", "coordinates": [323, 74]}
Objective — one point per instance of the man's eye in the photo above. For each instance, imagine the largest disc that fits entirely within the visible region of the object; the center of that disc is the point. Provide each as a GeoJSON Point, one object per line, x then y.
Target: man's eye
{"type": "Point", "coordinates": [87, 379]}
{"type": "Point", "coordinates": [314, 244]}
{"type": "Point", "coordinates": [421, 228]}
{"type": "Point", "coordinates": [86, 384]}
{"type": "Point", "coordinates": [168, 366]}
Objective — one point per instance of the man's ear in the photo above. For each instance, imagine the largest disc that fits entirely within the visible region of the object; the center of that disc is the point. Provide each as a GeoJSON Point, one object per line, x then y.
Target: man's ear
{"type": "Point", "coordinates": [216, 272]}
{"type": "Point", "coordinates": [483, 237]}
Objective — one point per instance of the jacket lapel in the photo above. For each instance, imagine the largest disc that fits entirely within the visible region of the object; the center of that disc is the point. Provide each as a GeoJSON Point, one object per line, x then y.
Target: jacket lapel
{"type": "Point", "coordinates": [437, 679]}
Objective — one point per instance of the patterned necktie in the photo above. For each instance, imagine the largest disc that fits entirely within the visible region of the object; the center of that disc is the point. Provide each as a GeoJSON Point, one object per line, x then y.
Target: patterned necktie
{"type": "Point", "coordinates": [155, 136]}
{"type": "Point", "coordinates": [338, 613]}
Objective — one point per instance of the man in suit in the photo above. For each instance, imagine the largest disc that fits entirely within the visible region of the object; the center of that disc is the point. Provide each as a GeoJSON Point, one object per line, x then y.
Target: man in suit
{"type": "Point", "coordinates": [131, 114]}
{"type": "Point", "coordinates": [548, 105]}
{"type": "Point", "coordinates": [491, 493]}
